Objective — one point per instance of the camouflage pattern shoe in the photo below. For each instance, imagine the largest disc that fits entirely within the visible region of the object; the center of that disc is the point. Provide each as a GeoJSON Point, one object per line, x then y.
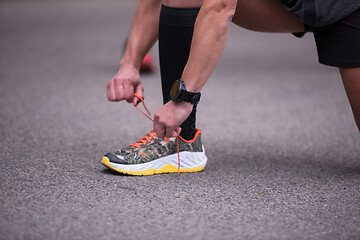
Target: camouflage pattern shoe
{"type": "Point", "coordinates": [152, 155]}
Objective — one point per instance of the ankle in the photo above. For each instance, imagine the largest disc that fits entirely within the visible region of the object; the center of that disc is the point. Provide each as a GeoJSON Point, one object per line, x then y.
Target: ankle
{"type": "Point", "coordinates": [188, 134]}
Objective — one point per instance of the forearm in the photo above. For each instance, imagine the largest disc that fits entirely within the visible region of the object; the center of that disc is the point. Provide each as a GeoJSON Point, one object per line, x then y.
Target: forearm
{"type": "Point", "coordinates": [208, 43]}
{"type": "Point", "coordinates": [143, 34]}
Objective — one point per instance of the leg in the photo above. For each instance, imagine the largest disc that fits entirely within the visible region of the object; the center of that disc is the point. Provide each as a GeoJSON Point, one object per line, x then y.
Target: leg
{"type": "Point", "coordinates": [265, 16]}
{"type": "Point", "coordinates": [351, 80]}
{"type": "Point", "coordinates": [175, 34]}
{"type": "Point", "coordinates": [183, 3]}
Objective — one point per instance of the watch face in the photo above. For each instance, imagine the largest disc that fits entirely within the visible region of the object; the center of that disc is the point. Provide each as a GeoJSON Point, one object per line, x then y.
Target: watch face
{"type": "Point", "coordinates": [174, 92]}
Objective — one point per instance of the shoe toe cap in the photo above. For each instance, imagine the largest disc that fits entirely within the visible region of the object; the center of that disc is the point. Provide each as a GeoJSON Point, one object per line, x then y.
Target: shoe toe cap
{"type": "Point", "coordinates": [113, 158]}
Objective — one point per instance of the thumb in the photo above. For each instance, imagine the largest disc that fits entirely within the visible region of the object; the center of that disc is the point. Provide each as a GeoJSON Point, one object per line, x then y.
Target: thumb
{"type": "Point", "coordinates": [172, 133]}
{"type": "Point", "coordinates": [139, 90]}
{"type": "Point", "coordinates": [178, 130]}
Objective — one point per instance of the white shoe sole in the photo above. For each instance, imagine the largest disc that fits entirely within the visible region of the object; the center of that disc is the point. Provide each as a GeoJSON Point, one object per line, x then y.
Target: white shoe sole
{"type": "Point", "coordinates": [189, 162]}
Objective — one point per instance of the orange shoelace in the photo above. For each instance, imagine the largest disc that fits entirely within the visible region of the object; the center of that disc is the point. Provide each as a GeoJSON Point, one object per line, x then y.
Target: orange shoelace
{"type": "Point", "coordinates": [152, 135]}
{"type": "Point", "coordinates": [144, 140]}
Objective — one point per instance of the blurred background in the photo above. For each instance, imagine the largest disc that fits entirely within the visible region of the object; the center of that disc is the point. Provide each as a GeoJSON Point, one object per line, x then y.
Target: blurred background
{"type": "Point", "coordinates": [282, 144]}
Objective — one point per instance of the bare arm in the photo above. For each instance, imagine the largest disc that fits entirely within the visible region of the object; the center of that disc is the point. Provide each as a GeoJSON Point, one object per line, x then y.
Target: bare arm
{"type": "Point", "coordinates": [144, 32]}
{"type": "Point", "coordinates": [143, 35]}
{"type": "Point", "coordinates": [209, 40]}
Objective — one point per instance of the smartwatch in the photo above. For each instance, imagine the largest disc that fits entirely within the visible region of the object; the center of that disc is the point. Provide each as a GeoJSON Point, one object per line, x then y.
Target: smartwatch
{"type": "Point", "coordinates": [178, 93]}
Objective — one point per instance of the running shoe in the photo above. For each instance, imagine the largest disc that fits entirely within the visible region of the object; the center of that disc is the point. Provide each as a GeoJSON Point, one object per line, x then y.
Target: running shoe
{"type": "Point", "coordinates": [152, 155]}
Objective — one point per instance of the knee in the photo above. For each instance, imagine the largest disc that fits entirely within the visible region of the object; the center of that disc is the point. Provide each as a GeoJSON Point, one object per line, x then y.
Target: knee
{"type": "Point", "coordinates": [225, 9]}
{"type": "Point", "coordinates": [223, 6]}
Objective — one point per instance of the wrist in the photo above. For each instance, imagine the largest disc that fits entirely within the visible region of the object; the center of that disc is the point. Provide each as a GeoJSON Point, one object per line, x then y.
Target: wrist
{"type": "Point", "coordinates": [128, 65]}
{"type": "Point", "coordinates": [191, 87]}
{"type": "Point", "coordinates": [192, 81]}
{"type": "Point", "coordinates": [179, 93]}
{"type": "Point", "coordinates": [183, 105]}
{"type": "Point", "coordinates": [132, 62]}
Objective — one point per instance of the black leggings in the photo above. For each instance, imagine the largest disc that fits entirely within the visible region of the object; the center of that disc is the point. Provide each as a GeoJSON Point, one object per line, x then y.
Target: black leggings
{"type": "Point", "coordinates": [175, 34]}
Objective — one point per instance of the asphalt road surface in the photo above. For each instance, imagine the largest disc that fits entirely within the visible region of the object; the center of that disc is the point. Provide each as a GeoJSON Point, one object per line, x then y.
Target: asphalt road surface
{"type": "Point", "coordinates": [283, 149]}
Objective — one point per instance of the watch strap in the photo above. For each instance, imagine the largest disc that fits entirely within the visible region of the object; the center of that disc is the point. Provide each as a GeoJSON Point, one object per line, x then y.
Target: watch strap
{"type": "Point", "coordinates": [191, 97]}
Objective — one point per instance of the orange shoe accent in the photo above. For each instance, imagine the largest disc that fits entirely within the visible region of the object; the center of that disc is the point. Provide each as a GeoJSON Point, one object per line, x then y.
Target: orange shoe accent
{"type": "Point", "coordinates": [197, 133]}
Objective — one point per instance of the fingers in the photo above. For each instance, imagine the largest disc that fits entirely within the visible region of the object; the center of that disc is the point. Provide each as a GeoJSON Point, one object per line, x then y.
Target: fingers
{"type": "Point", "coordinates": [124, 84]}
{"type": "Point", "coordinates": [114, 90]}
{"type": "Point", "coordinates": [118, 90]}
{"type": "Point", "coordinates": [159, 127]}
{"type": "Point", "coordinates": [170, 132]}
{"type": "Point", "coordinates": [128, 90]}
{"type": "Point", "coordinates": [161, 133]}
{"type": "Point", "coordinates": [162, 130]}
{"type": "Point", "coordinates": [110, 91]}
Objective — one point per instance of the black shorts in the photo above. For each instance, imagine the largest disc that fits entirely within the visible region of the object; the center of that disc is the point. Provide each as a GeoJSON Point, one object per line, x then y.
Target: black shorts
{"type": "Point", "coordinates": [338, 44]}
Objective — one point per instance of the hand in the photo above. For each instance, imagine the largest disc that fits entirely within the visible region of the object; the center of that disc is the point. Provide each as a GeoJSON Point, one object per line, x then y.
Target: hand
{"type": "Point", "coordinates": [124, 84]}
{"type": "Point", "coordinates": [169, 117]}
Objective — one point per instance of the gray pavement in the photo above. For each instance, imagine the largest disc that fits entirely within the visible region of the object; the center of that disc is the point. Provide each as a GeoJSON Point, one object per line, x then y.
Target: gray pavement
{"type": "Point", "coordinates": [282, 144]}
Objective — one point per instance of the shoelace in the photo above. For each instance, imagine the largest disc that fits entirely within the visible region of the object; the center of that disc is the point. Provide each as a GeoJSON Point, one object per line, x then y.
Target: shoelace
{"type": "Point", "coordinates": [144, 140]}
{"type": "Point", "coordinates": [151, 134]}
